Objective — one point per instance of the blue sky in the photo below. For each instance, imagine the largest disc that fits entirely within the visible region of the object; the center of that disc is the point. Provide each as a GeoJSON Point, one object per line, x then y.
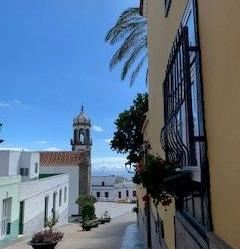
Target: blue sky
{"type": "Point", "coordinates": [53, 58]}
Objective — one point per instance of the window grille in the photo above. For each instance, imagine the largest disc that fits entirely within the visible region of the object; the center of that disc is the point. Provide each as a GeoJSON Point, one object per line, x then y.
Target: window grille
{"type": "Point", "coordinates": [177, 136]}
{"type": "Point", "coordinates": [183, 136]}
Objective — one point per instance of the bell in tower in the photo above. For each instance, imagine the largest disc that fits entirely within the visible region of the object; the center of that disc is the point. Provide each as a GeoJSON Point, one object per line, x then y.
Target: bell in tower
{"type": "Point", "coordinates": [81, 133]}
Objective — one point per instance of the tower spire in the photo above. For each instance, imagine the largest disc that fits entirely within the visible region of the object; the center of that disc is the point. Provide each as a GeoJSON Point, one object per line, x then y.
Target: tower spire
{"type": "Point", "coordinates": [82, 109]}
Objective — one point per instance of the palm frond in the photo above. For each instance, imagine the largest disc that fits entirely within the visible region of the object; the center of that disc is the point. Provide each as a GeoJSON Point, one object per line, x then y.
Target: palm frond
{"type": "Point", "coordinates": [131, 29]}
{"type": "Point", "coordinates": [137, 69]}
{"type": "Point", "coordinates": [129, 44]}
{"type": "Point", "coordinates": [133, 57]}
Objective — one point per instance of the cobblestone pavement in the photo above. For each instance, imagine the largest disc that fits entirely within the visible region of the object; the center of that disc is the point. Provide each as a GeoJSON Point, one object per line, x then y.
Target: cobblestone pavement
{"type": "Point", "coordinates": [120, 233]}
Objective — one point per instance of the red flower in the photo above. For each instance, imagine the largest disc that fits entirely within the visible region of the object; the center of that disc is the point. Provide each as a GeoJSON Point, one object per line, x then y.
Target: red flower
{"type": "Point", "coordinates": [139, 167]}
{"type": "Point", "coordinates": [146, 198]}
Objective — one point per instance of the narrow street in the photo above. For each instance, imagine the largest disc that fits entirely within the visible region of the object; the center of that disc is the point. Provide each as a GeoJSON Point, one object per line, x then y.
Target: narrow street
{"type": "Point", "coordinates": [120, 233]}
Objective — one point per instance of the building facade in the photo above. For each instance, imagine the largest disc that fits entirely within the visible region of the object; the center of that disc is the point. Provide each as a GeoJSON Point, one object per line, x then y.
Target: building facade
{"type": "Point", "coordinates": [40, 197]}
{"type": "Point", "coordinates": [193, 55]}
{"type": "Point", "coordinates": [75, 163]}
{"type": "Point", "coordinates": [9, 207]}
{"type": "Point", "coordinates": [113, 188]}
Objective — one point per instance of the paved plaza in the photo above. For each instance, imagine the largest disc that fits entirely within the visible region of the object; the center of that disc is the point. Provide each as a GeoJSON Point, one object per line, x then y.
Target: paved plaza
{"type": "Point", "coordinates": [120, 233]}
{"type": "Point", "coordinates": [114, 209]}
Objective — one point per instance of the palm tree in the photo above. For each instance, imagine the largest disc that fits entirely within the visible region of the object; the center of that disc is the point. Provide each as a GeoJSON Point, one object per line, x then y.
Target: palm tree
{"type": "Point", "coordinates": [131, 30]}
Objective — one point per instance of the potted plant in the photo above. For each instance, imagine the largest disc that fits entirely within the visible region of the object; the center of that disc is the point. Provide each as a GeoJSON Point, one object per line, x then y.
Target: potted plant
{"type": "Point", "coordinates": [106, 216]}
{"type": "Point", "coordinates": [102, 220]}
{"type": "Point", "coordinates": [95, 222]}
{"type": "Point", "coordinates": [48, 238]}
{"type": "Point", "coordinates": [87, 224]}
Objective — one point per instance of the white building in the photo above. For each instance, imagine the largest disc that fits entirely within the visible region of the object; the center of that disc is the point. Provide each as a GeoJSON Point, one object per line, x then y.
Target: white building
{"type": "Point", "coordinates": [76, 163]}
{"type": "Point", "coordinates": [113, 188]}
{"type": "Point", "coordinates": [41, 196]}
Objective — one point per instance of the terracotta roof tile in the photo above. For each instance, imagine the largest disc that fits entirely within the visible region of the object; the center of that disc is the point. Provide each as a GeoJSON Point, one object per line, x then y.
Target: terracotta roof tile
{"type": "Point", "coordinates": [63, 158]}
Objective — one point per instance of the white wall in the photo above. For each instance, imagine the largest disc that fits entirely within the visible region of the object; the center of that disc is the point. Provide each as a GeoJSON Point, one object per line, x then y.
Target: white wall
{"type": "Point", "coordinates": [73, 172]}
{"type": "Point", "coordinates": [12, 161]}
{"type": "Point", "coordinates": [4, 163]}
{"type": "Point", "coordinates": [114, 192]}
{"type": "Point", "coordinates": [33, 194]}
{"type": "Point", "coordinates": [102, 190]}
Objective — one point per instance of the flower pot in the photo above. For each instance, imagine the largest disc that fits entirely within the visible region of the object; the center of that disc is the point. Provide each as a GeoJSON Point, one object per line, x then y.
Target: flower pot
{"type": "Point", "coordinates": [86, 228]}
{"type": "Point", "coordinates": [102, 221]}
{"type": "Point", "coordinates": [107, 219]}
{"type": "Point", "coordinates": [50, 245]}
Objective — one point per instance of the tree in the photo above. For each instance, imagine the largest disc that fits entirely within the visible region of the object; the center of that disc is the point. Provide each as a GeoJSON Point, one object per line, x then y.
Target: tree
{"type": "Point", "coordinates": [128, 137]}
{"type": "Point", "coordinates": [88, 211]}
{"type": "Point", "coordinates": [85, 199]}
{"type": "Point", "coordinates": [131, 30]}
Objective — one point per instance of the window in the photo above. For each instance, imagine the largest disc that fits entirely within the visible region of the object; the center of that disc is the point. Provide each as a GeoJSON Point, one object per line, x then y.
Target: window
{"type": "Point", "coordinates": [24, 171]}
{"type": "Point", "coordinates": [119, 195]}
{"type": "Point", "coordinates": [36, 167]}
{"type": "Point", "coordinates": [103, 183]}
{"type": "Point", "coordinates": [177, 134]}
{"type": "Point", "coordinates": [134, 193]}
{"type": "Point", "coordinates": [127, 193]}
{"type": "Point", "coordinates": [81, 138]}
{"type": "Point", "coordinates": [98, 194]}
{"type": "Point", "coordinates": [183, 136]}
{"type": "Point", "coordinates": [65, 194]}
{"type": "Point", "coordinates": [167, 6]}
{"type": "Point", "coordinates": [106, 194]}
{"type": "Point", "coordinates": [60, 198]}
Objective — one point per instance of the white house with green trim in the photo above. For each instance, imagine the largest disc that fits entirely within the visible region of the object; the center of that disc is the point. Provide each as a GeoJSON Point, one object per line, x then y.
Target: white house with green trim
{"type": "Point", "coordinates": [9, 207]}
{"type": "Point", "coordinates": [38, 197]}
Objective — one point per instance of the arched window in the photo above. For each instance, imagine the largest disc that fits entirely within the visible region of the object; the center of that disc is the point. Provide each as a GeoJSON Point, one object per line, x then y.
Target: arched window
{"type": "Point", "coordinates": [81, 137]}
{"type": "Point", "coordinates": [87, 136]}
{"type": "Point", "coordinates": [75, 135]}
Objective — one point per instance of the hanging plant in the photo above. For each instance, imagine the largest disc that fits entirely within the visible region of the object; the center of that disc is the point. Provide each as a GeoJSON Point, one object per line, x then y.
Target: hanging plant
{"type": "Point", "coordinates": [162, 179]}
{"type": "Point", "coordinates": [146, 198]}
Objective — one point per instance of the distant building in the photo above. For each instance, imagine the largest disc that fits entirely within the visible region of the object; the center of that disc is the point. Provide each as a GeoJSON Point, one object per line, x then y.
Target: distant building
{"type": "Point", "coordinates": [76, 163]}
{"type": "Point", "coordinates": [113, 188]}
{"type": "Point", "coordinates": [28, 201]}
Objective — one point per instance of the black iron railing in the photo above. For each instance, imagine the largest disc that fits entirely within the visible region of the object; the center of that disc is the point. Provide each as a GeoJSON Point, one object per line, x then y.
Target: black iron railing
{"type": "Point", "coordinates": [177, 136]}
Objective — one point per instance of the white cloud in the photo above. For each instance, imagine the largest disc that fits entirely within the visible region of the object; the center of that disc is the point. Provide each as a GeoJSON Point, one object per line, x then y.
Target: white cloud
{"type": "Point", "coordinates": [52, 149]}
{"type": "Point", "coordinates": [105, 140]}
{"type": "Point", "coordinates": [109, 166]}
{"type": "Point", "coordinates": [15, 148]}
{"type": "Point", "coordinates": [15, 102]}
{"type": "Point", "coordinates": [4, 104]}
{"type": "Point", "coordinates": [41, 142]}
{"type": "Point", "coordinates": [108, 140]}
{"type": "Point", "coordinates": [98, 128]}
{"type": "Point", "coordinates": [20, 103]}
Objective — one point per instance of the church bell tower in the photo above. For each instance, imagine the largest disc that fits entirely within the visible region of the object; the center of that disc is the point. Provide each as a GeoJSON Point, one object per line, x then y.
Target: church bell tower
{"type": "Point", "coordinates": [81, 133]}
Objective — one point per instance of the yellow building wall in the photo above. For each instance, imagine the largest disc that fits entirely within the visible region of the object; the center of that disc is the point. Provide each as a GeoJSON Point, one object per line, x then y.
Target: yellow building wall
{"type": "Point", "coordinates": [220, 38]}
{"type": "Point", "coordinates": [160, 38]}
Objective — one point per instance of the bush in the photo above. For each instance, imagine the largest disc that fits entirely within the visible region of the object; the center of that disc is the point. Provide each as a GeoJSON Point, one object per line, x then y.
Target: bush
{"type": "Point", "coordinates": [85, 199]}
{"type": "Point", "coordinates": [88, 211]}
